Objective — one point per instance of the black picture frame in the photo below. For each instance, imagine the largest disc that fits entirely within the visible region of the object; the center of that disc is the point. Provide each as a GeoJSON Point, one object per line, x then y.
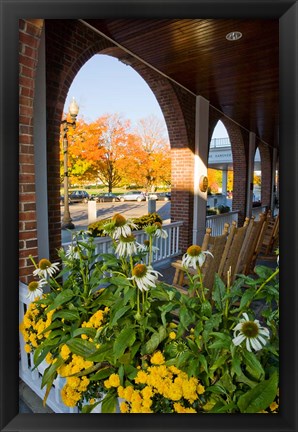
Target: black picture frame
{"type": "Point", "coordinates": [11, 12]}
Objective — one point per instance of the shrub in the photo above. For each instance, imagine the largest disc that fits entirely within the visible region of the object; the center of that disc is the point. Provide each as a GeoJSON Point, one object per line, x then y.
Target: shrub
{"type": "Point", "coordinates": [223, 209]}
{"type": "Point", "coordinates": [96, 228]}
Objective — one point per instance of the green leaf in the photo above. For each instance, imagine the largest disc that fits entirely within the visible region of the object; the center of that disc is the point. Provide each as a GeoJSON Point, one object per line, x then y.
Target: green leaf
{"type": "Point", "coordinates": [70, 315]}
{"type": "Point", "coordinates": [52, 326]}
{"type": "Point", "coordinates": [154, 341]}
{"type": "Point", "coordinates": [202, 360]}
{"type": "Point", "coordinates": [193, 368]}
{"type": "Point", "coordinates": [236, 365]}
{"type": "Point", "coordinates": [164, 310]}
{"type": "Point", "coordinates": [51, 372]}
{"type": "Point", "coordinates": [101, 374]}
{"type": "Point", "coordinates": [125, 339]}
{"type": "Point", "coordinates": [81, 347]}
{"type": "Point", "coordinates": [119, 313]}
{"type": "Point", "coordinates": [212, 323]}
{"type": "Point", "coordinates": [109, 403]}
{"type": "Point", "coordinates": [61, 298]}
{"type": "Point", "coordinates": [104, 353]}
{"type": "Point", "coordinates": [220, 409]}
{"type": "Point", "coordinates": [218, 362]}
{"type": "Point", "coordinates": [260, 397]}
{"type": "Point", "coordinates": [263, 271]}
{"type": "Point", "coordinates": [186, 316]}
{"type": "Point", "coordinates": [227, 383]}
{"type": "Point", "coordinates": [40, 354]}
{"type": "Point", "coordinates": [223, 341]}
{"type": "Point", "coordinates": [119, 281]}
{"type": "Point", "coordinates": [218, 293]}
{"type": "Point", "coordinates": [206, 309]}
{"type": "Point", "coordinates": [91, 332]}
{"type": "Point", "coordinates": [254, 367]}
{"type": "Point", "coordinates": [243, 379]}
{"type": "Point", "coordinates": [247, 296]}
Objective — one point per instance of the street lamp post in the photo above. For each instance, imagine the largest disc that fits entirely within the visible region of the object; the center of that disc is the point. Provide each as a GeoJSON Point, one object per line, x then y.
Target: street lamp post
{"type": "Point", "coordinates": [73, 111]}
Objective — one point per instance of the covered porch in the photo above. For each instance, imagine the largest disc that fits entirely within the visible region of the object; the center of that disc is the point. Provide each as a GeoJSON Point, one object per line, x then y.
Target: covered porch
{"type": "Point", "coordinates": [193, 93]}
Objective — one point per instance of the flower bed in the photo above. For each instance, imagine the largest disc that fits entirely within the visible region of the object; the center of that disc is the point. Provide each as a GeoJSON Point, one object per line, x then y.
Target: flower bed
{"type": "Point", "coordinates": [112, 330]}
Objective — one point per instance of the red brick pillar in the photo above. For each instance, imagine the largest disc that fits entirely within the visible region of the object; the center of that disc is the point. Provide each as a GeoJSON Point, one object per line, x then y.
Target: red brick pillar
{"type": "Point", "coordinates": [29, 37]}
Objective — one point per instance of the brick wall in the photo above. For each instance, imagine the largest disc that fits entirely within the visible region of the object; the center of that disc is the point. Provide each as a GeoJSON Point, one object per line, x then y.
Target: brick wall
{"type": "Point", "coordinates": [29, 38]}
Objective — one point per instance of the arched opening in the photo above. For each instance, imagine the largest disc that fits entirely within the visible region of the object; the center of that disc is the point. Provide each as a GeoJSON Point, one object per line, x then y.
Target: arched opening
{"type": "Point", "coordinates": [220, 171]}
{"type": "Point", "coordinates": [121, 141]}
{"type": "Point", "coordinates": [257, 180]}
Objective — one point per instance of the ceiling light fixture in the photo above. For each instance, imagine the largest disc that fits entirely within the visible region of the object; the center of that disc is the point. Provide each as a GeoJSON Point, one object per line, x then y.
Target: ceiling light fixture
{"type": "Point", "coordinates": [233, 36]}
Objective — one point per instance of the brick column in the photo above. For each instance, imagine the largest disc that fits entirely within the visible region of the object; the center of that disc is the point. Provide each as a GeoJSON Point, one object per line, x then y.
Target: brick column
{"type": "Point", "coordinates": [29, 37]}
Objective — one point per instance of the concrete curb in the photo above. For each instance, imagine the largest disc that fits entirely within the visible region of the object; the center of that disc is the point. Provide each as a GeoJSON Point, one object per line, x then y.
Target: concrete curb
{"type": "Point", "coordinates": [29, 402]}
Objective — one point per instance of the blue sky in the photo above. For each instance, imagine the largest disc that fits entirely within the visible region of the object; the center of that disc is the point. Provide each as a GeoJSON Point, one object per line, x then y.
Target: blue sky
{"type": "Point", "coordinates": [104, 85]}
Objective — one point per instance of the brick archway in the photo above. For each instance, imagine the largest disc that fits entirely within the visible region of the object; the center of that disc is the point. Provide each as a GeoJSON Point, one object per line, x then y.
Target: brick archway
{"type": "Point", "coordinates": [239, 160]}
{"type": "Point", "coordinates": [64, 61]}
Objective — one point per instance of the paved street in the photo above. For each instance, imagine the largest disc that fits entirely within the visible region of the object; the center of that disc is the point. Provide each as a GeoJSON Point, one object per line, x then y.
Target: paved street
{"type": "Point", "coordinates": [79, 212]}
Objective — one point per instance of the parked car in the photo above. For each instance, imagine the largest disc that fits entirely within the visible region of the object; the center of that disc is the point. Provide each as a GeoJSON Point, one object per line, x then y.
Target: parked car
{"type": "Point", "coordinates": [78, 196]}
{"type": "Point", "coordinates": [164, 196]}
{"type": "Point", "coordinates": [133, 196]}
{"type": "Point", "coordinates": [153, 196]}
{"type": "Point", "coordinates": [106, 197]}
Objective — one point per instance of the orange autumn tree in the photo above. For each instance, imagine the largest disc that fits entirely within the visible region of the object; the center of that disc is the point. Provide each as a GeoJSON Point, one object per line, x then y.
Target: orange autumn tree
{"type": "Point", "coordinates": [108, 151]}
{"type": "Point", "coordinates": [154, 150]}
{"type": "Point", "coordinates": [83, 151]}
{"type": "Point", "coordinates": [94, 149]}
{"type": "Point", "coordinates": [113, 143]}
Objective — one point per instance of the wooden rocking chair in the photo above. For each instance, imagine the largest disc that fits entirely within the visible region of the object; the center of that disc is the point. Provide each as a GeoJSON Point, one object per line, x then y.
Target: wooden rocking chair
{"type": "Point", "coordinates": [251, 244]}
{"type": "Point", "coordinates": [215, 245]}
{"type": "Point", "coordinates": [232, 250]}
{"type": "Point", "coordinates": [271, 236]}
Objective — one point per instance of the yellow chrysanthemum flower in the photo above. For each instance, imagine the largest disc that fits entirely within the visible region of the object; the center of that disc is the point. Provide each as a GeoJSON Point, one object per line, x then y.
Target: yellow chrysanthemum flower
{"type": "Point", "coordinates": [200, 389]}
{"type": "Point", "coordinates": [172, 335]}
{"type": "Point", "coordinates": [124, 408]}
{"type": "Point", "coordinates": [141, 377]}
{"type": "Point", "coordinates": [114, 380]}
{"type": "Point", "coordinates": [273, 406]}
{"type": "Point", "coordinates": [65, 352]}
{"type": "Point", "coordinates": [27, 348]}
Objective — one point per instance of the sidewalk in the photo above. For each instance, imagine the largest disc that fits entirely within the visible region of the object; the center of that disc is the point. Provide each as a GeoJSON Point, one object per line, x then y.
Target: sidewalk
{"type": "Point", "coordinates": [29, 402]}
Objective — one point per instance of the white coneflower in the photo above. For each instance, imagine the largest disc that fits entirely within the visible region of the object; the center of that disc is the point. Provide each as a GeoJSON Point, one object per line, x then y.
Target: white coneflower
{"type": "Point", "coordinates": [46, 268]}
{"type": "Point", "coordinates": [35, 289]}
{"type": "Point", "coordinates": [252, 332]}
{"type": "Point", "coordinates": [126, 246]}
{"type": "Point", "coordinates": [119, 226]}
{"type": "Point", "coordinates": [194, 257]}
{"type": "Point", "coordinates": [160, 233]}
{"type": "Point", "coordinates": [73, 252]}
{"type": "Point", "coordinates": [145, 247]}
{"type": "Point", "coordinates": [144, 276]}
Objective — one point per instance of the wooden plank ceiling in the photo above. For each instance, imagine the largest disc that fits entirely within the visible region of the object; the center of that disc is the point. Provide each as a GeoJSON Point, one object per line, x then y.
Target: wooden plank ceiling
{"type": "Point", "coordinates": [239, 78]}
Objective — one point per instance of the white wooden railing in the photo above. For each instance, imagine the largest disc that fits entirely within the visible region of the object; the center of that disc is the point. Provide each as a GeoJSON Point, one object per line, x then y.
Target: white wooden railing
{"type": "Point", "coordinates": [32, 377]}
{"type": "Point", "coordinates": [256, 211]}
{"type": "Point", "coordinates": [217, 222]}
{"type": "Point", "coordinates": [167, 248]}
